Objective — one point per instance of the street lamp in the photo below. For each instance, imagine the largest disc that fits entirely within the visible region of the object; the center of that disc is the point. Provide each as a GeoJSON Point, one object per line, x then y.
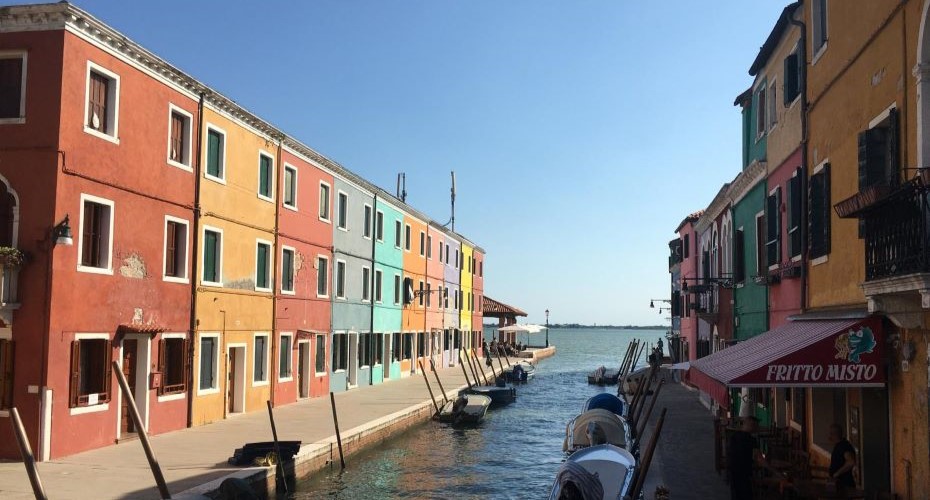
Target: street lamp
{"type": "Point", "coordinates": [653, 301]}
{"type": "Point", "coordinates": [547, 328]}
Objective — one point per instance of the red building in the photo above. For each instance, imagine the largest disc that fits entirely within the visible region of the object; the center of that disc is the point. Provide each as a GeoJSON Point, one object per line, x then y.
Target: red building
{"type": "Point", "coordinates": [690, 250]}
{"type": "Point", "coordinates": [308, 213]}
{"type": "Point", "coordinates": [101, 142]}
{"type": "Point", "coordinates": [477, 286]}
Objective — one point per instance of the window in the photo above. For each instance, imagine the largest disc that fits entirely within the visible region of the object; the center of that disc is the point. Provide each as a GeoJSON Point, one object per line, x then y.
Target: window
{"type": "Point", "coordinates": [366, 284]}
{"type": "Point", "coordinates": [441, 296]}
{"type": "Point", "coordinates": [340, 351]}
{"type": "Point", "coordinates": [429, 247]}
{"type": "Point", "coordinates": [378, 348]}
{"type": "Point", "coordinates": [408, 345]}
{"type": "Point", "coordinates": [398, 234]}
{"type": "Point", "coordinates": [771, 117]}
{"type": "Point", "coordinates": [739, 257]}
{"type": "Point", "coordinates": [212, 256]}
{"type": "Point", "coordinates": [263, 266]}
{"type": "Point", "coordinates": [407, 237]}
{"type": "Point", "coordinates": [396, 289]}
{"type": "Point", "coordinates": [209, 363]}
{"type": "Point", "coordinates": [879, 159]}
{"type": "Point", "coordinates": [420, 296]}
{"type": "Point", "coordinates": [290, 187]}
{"type": "Point", "coordinates": [322, 278]}
{"type": "Point", "coordinates": [686, 244]}
{"type": "Point", "coordinates": [760, 110]}
{"type": "Point", "coordinates": [90, 371]}
{"type": "Point", "coordinates": [396, 346]}
{"type": "Point", "coordinates": [320, 354]}
{"type": "Point", "coordinates": [773, 228]}
{"type": "Point", "coordinates": [761, 268]}
{"type": "Point", "coordinates": [324, 202]}
{"type": "Point", "coordinates": [342, 211]}
{"type": "Point", "coordinates": [820, 212]}
{"type": "Point", "coordinates": [379, 225]}
{"type": "Point", "coordinates": [285, 358]}
{"type": "Point", "coordinates": [445, 296]}
{"type": "Point", "coordinates": [798, 400]}
{"type": "Point", "coordinates": [421, 344]}
{"type": "Point", "coordinates": [828, 407]}
{"type": "Point", "coordinates": [792, 75]}
{"type": "Point", "coordinates": [12, 86]}
{"type": "Point", "coordinates": [447, 254]}
{"type": "Point", "coordinates": [96, 247]}
{"type": "Point", "coordinates": [340, 279]}
{"type": "Point", "coordinates": [428, 286]}
{"type": "Point", "coordinates": [364, 344]}
{"type": "Point", "coordinates": [422, 244]}
{"type": "Point", "coordinates": [179, 138]}
{"type": "Point", "coordinates": [794, 214]}
{"type": "Point", "coordinates": [172, 363]}
{"type": "Point", "coordinates": [456, 258]}
{"type": "Point", "coordinates": [260, 364]}
{"type": "Point", "coordinates": [102, 110]}
{"type": "Point", "coordinates": [378, 278]}
{"type": "Point", "coordinates": [367, 231]}
{"type": "Point", "coordinates": [455, 299]}
{"type": "Point", "coordinates": [481, 269]}
{"type": "Point", "coordinates": [175, 264]}
{"type": "Point", "coordinates": [216, 154]}
{"type": "Point", "coordinates": [818, 27]}
{"type": "Point", "coordinates": [287, 270]}
{"type": "Point", "coordinates": [265, 176]}
{"type": "Point", "coordinates": [6, 374]}
{"type": "Point", "coordinates": [440, 251]}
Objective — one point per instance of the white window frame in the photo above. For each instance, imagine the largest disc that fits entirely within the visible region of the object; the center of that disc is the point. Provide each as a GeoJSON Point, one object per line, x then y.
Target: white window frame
{"type": "Point", "coordinates": [78, 410]}
{"type": "Point", "coordinates": [219, 253]}
{"type": "Point", "coordinates": [180, 395]}
{"type": "Point", "coordinates": [164, 263]}
{"type": "Point", "coordinates": [429, 247]}
{"type": "Point", "coordinates": [187, 133]}
{"type": "Point", "coordinates": [113, 94]}
{"type": "Point", "coordinates": [771, 99]}
{"type": "Point", "coordinates": [368, 282]}
{"type": "Point", "coordinates": [80, 249]}
{"type": "Point", "coordinates": [206, 155]}
{"type": "Point", "coordinates": [379, 225]}
{"type": "Point", "coordinates": [285, 248]}
{"type": "Point", "coordinates": [24, 56]}
{"type": "Point", "coordinates": [340, 279]}
{"type": "Point", "coordinates": [329, 202]}
{"type": "Point", "coordinates": [267, 335]}
{"type": "Point", "coordinates": [378, 288]}
{"type": "Point", "coordinates": [289, 206]}
{"type": "Point", "coordinates": [759, 91]}
{"type": "Point", "coordinates": [339, 194]}
{"type": "Point", "coordinates": [290, 358]}
{"type": "Point", "coordinates": [216, 364]}
{"type": "Point", "coordinates": [268, 265]}
{"type": "Point", "coordinates": [408, 238]}
{"type": "Point", "coordinates": [326, 355]}
{"type": "Point", "coordinates": [423, 244]}
{"type": "Point", "coordinates": [823, 47]}
{"type": "Point", "coordinates": [398, 289]}
{"type": "Point", "coordinates": [370, 224]}
{"type": "Point", "coordinates": [325, 262]}
{"type": "Point", "coordinates": [271, 176]}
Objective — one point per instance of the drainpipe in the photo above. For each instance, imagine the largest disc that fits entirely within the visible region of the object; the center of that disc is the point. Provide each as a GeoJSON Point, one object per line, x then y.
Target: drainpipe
{"type": "Point", "coordinates": [195, 261]}
{"type": "Point", "coordinates": [371, 325]}
{"type": "Point", "coordinates": [279, 175]}
{"type": "Point", "coordinates": [802, 50]}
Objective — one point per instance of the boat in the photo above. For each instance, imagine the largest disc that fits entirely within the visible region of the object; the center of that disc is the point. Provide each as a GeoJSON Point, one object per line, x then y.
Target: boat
{"type": "Point", "coordinates": [605, 401]}
{"type": "Point", "coordinates": [520, 372]}
{"type": "Point", "coordinates": [603, 376]}
{"type": "Point", "coordinates": [465, 409]}
{"type": "Point", "coordinates": [262, 450]}
{"type": "Point", "coordinates": [499, 395]}
{"type": "Point", "coordinates": [633, 380]}
{"type": "Point", "coordinates": [600, 472]}
{"type": "Point", "coordinates": [597, 426]}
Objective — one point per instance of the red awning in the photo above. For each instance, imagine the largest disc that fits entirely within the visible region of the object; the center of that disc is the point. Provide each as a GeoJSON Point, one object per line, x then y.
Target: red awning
{"type": "Point", "coordinates": [817, 353]}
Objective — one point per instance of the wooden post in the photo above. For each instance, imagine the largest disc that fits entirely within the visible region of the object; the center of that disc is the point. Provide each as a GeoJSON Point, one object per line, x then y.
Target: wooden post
{"type": "Point", "coordinates": [642, 398]}
{"type": "Point", "coordinates": [439, 382]}
{"type": "Point", "coordinates": [428, 388]}
{"type": "Point", "coordinates": [505, 355]}
{"type": "Point", "coordinates": [652, 402]}
{"type": "Point", "coordinates": [631, 411]}
{"type": "Point", "coordinates": [491, 359]}
{"type": "Point", "coordinates": [499, 364]}
{"type": "Point", "coordinates": [332, 401]}
{"type": "Point", "coordinates": [626, 371]}
{"type": "Point", "coordinates": [474, 372]}
{"type": "Point", "coordinates": [29, 460]}
{"type": "Point", "coordinates": [465, 372]}
{"type": "Point", "coordinates": [647, 458]}
{"type": "Point", "coordinates": [479, 369]}
{"type": "Point", "coordinates": [621, 375]}
{"type": "Point", "coordinates": [279, 467]}
{"type": "Point", "coordinates": [143, 434]}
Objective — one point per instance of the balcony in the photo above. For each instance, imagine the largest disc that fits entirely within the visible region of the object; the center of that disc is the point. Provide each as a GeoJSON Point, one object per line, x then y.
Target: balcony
{"type": "Point", "coordinates": [9, 300]}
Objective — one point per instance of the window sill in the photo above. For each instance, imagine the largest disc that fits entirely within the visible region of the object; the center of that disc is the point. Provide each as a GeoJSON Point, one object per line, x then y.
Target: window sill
{"type": "Point", "coordinates": [286, 379]}
{"type": "Point", "coordinates": [259, 383]}
{"type": "Point", "coordinates": [218, 180]}
{"type": "Point", "coordinates": [80, 410]}
{"type": "Point", "coordinates": [211, 284]}
{"type": "Point", "coordinates": [172, 397]}
{"type": "Point", "coordinates": [320, 374]}
{"type": "Point", "coordinates": [94, 270]}
{"type": "Point", "coordinates": [326, 296]}
{"type": "Point", "coordinates": [288, 292]}
{"type": "Point", "coordinates": [292, 208]}
{"type": "Point", "coordinates": [819, 54]}
{"type": "Point", "coordinates": [820, 260]}
{"type": "Point", "coordinates": [13, 121]}
{"type": "Point", "coordinates": [180, 165]}
{"type": "Point", "coordinates": [101, 135]}
{"type": "Point", "coordinates": [172, 279]}
{"type": "Point", "coordinates": [327, 221]}
{"type": "Point", "coordinates": [343, 229]}
{"type": "Point", "coordinates": [264, 198]}
{"type": "Point", "coordinates": [208, 392]}
{"type": "Point", "coordinates": [262, 289]}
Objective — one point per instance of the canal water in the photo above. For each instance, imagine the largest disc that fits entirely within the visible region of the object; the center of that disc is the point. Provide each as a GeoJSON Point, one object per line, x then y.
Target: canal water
{"type": "Point", "coordinates": [514, 453]}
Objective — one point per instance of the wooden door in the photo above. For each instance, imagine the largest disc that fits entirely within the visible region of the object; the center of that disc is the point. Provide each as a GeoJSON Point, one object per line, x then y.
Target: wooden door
{"type": "Point", "coordinates": [231, 381]}
{"type": "Point", "coordinates": [129, 371]}
{"type": "Point", "coordinates": [303, 359]}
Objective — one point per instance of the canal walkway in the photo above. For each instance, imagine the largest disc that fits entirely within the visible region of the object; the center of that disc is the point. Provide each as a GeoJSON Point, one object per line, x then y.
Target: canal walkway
{"type": "Point", "coordinates": [684, 457]}
{"type": "Point", "coordinates": [194, 460]}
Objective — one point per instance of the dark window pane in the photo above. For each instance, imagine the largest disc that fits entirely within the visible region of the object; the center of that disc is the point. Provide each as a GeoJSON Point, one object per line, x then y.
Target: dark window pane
{"type": "Point", "coordinates": [11, 87]}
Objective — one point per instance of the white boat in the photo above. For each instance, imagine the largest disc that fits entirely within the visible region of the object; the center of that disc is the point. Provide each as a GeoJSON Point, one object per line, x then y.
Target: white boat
{"type": "Point", "coordinates": [597, 426]}
{"type": "Point", "coordinates": [604, 471]}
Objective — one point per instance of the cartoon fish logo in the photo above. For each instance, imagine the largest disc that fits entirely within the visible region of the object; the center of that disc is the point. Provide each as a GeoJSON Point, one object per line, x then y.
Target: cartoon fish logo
{"type": "Point", "coordinates": [859, 342]}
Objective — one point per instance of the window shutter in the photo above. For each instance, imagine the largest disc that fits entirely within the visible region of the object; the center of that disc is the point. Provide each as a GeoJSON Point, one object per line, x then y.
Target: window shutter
{"type": "Point", "coordinates": [75, 389]}
{"type": "Point", "coordinates": [171, 249]}
{"type": "Point", "coordinates": [739, 257]}
{"type": "Point", "coordinates": [873, 161]}
{"type": "Point", "coordinates": [186, 363]}
{"type": "Point", "coordinates": [795, 207]}
{"type": "Point", "coordinates": [213, 154]}
{"type": "Point", "coordinates": [826, 209]}
{"type": "Point", "coordinates": [162, 345]}
{"type": "Point", "coordinates": [892, 161]}
{"type": "Point", "coordinates": [6, 374]}
{"type": "Point", "coordinates": [209, 257]}
{"type": "Point", "coordinates": [107, 375]}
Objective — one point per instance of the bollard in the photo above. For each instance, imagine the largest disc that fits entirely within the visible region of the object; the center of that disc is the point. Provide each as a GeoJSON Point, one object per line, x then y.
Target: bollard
{"type": "Point", "coordinates": [332, 400]}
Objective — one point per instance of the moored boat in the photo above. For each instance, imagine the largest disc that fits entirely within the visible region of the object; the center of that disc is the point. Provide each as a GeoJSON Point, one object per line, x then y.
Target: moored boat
{"type": "Point", "coordinates": [603, 376]}
{"type": "Point", "coordinates": [521, 371]}
{"type": "Point", "coordinates": [600, 472]}
{"type": "Point", "coordinates": [605, 401]}
{"type": "Point", "coordinates": [476, 407]}
{"type": "Point", "coordinates": [597, 426]}
{"type": "Point", "coordinates": [499, 395]}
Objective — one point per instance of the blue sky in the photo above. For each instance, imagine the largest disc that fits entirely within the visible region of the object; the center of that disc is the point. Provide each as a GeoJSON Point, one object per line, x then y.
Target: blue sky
{"type": "Point", "coordinates": [581, 132]}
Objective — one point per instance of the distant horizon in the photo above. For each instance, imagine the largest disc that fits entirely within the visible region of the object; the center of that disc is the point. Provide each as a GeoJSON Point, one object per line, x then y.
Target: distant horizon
{"type": "Point", "coordinates": [570, 326]}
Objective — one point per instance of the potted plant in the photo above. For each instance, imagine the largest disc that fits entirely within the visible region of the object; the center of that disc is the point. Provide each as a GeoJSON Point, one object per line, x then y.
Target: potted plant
{"type": "Point", "coordinates": [11, 257]}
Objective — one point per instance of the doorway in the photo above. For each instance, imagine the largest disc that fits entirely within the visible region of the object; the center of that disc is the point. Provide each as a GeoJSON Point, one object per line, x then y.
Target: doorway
{"type": "Point", "coordinates": [134, 363]}
{"type": "Point", "coordinates": [446, 359]}
{"type": "Point", "coordinates": [303, 369]}
{"type": "Point", "coordinates": [235, 378]}
{"type": "Point", "coordinates": [875, 460]}
{"type": "Point", "coordinates": [353, 359]}
{"type": "Point", "coordinates": [129, 361]}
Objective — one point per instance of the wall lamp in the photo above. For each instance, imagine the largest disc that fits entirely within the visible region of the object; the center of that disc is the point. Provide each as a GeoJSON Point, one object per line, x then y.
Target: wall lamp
{"type": "Point", "coordinates": [653, 301]}
{"type": "Point", "coordinates": [667, 309]}
{"type": "Point", "coordinates": [62, 233]}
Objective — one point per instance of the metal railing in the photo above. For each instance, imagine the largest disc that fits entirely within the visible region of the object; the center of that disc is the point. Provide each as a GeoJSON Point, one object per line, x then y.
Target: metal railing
{"type": "Point", "coordinates": [895, 231]}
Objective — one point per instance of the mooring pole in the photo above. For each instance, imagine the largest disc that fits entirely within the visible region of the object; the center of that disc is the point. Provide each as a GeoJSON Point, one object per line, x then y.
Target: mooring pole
{"type": "Point", "coordinates": [471, 368]}
{"type": "Point", "coordinates": [621, 375]}
{"type": "Point", "coordinates": [332, 401]}
{"type": "Point", "coordinates": [465, 372]}
{"type": "Point", "coordinates": [279, 467]}
{"type": "Point", "coordinates": [29, 460]}
{"type": "Point", "coordinates": [143, 434]}
{"type": "Point", "coordinates": [652, 402]}
{"type": "Point", "coordinates": [438, 382]}
{"type": "Point", "coordinates": [499, 364]}
{"type": "Point", "coordinates": [626, 371]}
{"type": "Point", "coordinates": [647, 459]}
{"type": "Point", "coordinates": [479, 369]}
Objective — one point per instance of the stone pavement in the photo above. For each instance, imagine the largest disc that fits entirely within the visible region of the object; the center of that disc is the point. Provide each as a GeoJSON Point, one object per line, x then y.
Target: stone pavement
{"type": "Point", "coordinates": [192, 457]}
{"type": "Point", "coordinates": [684, 457]}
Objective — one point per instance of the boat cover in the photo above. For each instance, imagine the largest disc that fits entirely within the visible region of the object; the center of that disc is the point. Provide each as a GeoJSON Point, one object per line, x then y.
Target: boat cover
{"type": "Point", "coordinates": [613, 427]}
{"type": "Point", "coordinates": [605, 401]}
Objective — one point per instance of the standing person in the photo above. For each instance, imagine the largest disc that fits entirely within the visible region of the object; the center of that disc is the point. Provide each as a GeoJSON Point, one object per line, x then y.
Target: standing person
{"type": "Point", "coordinates": [743, 452]}
{"type": "Point", "coordinates": [842, 460]}
{"type": "Point", "coordinates": [659, 347]}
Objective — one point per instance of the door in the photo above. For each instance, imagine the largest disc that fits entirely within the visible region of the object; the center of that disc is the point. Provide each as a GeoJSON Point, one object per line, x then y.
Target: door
{"type": "Point", "coordinates": [130, 353]}
{"type": "Point", "coordinates": [353, 359]}
{"type": "Point", "coordinates": [874, 460]}
{"type": "Point", "coordinates": [446, 359]}
{"type": "Point", "coordinates": [303, 369]}
{"type": "Point", "coordinates": [231, 385]}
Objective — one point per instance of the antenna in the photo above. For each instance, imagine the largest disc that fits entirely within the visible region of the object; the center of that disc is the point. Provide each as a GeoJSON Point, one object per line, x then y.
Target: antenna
{"type": "Point", "coordinates": [401, 192]}
{"type": "Point", "coordinates": [453, 200]}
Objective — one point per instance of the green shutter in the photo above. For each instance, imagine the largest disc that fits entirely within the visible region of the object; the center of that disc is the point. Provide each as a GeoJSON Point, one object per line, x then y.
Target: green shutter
{"type": "Point", "coordinates": [209, 257]}
{"type": "Point", "coordinates": [261, 262]}
{"type": "Point", "coordinates": [264, 176]}
{"type": "Point", "coordinates": [288, 271]}
{"type": "Point", "coordinates": [213, 154]}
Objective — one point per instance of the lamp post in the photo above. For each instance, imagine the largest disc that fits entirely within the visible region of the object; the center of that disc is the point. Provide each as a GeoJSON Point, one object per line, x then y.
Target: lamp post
{"type": "Point", "coordinates": [547, 328]}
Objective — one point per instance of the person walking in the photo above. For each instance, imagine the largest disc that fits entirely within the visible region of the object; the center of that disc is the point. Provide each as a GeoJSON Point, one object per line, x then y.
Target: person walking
{"type": "Point", "coordinates": [742, 454]}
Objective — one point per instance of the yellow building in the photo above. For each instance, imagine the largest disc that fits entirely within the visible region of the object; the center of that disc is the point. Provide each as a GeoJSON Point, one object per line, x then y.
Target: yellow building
{"type": "Point", "coordinates": [235, 345]}
{"type": "Point", "coordinates": [467, 303]}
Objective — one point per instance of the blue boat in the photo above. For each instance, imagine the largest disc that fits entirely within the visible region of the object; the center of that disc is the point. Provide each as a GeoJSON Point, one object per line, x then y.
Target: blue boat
{"type": "Point", "coordinates": [599, 472]}
{"type": "Point", "coordinates": [605, 401]}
